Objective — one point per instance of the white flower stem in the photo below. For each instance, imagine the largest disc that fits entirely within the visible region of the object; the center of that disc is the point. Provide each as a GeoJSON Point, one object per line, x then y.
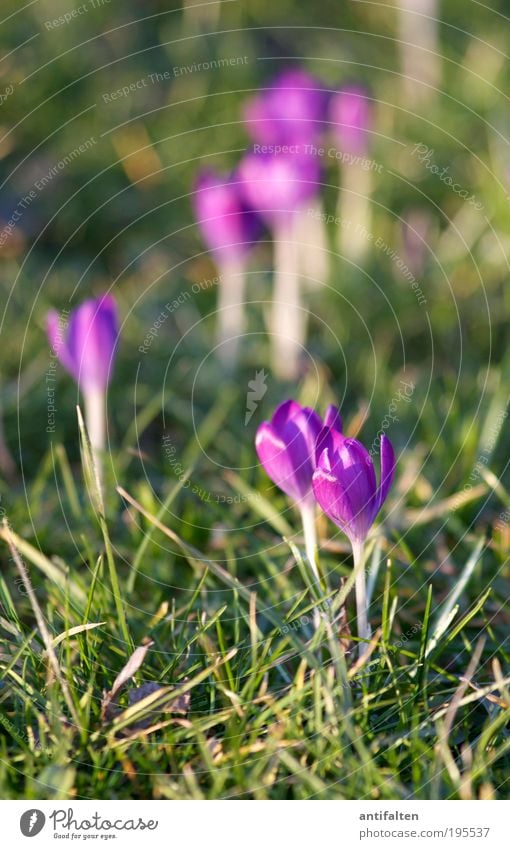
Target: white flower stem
{"type": "Point", "coordinates": [364, 632]}
{"type": "Point", "coordinates": [95, 420]}
{"type": "Point", "coordinates": [231, 310]}
{"type": "Point", "coordinates": [313, 248]}
{"type": "Point", "coordinates": [310, 535]}
{"type": "Point", "coordinates": [287, 323]}
{"type": "Point", "coordinates": [354, 211]}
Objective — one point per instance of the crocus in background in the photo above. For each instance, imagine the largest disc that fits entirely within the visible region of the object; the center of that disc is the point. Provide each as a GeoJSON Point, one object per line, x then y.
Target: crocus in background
{"type": "Point", "coordinates": [345, 486]}
{"type": "Point", "coordinates": [286, 448]}
{"type": "Point", "coordinates": [350, 115]}
{"type": "Point", "coordinates": [229, 229]}
{"type": "Point", "coordinates": [86, 348]}
{"type": "Point", "coordinates": [279, 186]}
{"type": "Point", "coordinates": [291, 110]}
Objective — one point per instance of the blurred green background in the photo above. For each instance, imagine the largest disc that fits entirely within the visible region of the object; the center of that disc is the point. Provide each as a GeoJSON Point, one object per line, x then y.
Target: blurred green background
{"type": "Point", "coordinates": [120, 215]}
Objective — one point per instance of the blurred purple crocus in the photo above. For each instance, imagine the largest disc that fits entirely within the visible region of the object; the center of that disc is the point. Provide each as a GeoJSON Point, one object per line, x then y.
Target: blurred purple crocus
{"type": "Point", "coordinates": [344, 484]}
{"type": "Point", "coordinates": [350, 117]}
{"type": "Point", "coordinates": [286, 448]}
{"type": "Point", "coordinates": [291, 109]}
{"type": "Point", "coordinates": [277, 185]}
{"type": "Point", "coordinates": [281, 186]}
{"type": "Point", "coordinates": [229, 229]}
{"type": "Point", "coordinates": [86, 348]}
{"type": "Point", "coordinates": [228, 226]}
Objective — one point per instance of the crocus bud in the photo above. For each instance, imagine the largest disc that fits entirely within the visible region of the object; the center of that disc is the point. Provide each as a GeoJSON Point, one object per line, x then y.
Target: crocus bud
{"type": "Point", "coordinates": [87, 349]}
{"type": "Point", "coordinates": [290, 110]}
{"type": "Point", "coordinates": [286, 447]}
{"type": "Point", "coordinates": [344, 482]}
{"type": "Point", "coordinates": [277, 185]}
{"type": "Point", "coordinates": [227, 225]}
{"type": "Point", "coordinates": [350, 117]}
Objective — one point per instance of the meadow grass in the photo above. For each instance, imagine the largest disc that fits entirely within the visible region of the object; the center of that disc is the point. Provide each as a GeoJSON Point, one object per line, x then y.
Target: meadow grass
{"type": "Point", "coordinates": [177, 657]}
{"type": "Point", "coordinates": [252, 702]}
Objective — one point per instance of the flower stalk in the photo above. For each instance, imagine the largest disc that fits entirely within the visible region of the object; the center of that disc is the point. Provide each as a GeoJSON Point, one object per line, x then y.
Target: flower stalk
{"type": "Point", "coordinates": [364, 630]}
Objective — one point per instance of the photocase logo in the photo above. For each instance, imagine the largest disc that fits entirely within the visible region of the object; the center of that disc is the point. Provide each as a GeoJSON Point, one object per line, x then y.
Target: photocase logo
{"type": "Point", "coordinates": [32, 822]}
{"type": "Point", "coordinates": [257, 389]}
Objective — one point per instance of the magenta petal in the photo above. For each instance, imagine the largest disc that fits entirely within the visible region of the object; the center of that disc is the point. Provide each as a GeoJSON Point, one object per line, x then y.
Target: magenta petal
{"type": "Point", "coordinates": [88, 346]}
{"type": "Point", "coordinates": [286, 448]}
{"type": "Point", "coordinates": [328, 438]}
{"type": "Point", "coordinates": [289, 110]}
{"type": "Point", "coordinates": [354, 468]}
{"type": "Point", "coordinates": [334, 500]}
{"type": "Point", "coordinates": [387, 470]}
{"type": "Point", "coordinates": [333, 418]}
{"type": "Point", "coordinates": [228, 226]}
{"type": "Point", "coordinates": [279, 463]}
{"type": "Point", "coordinates": [56, 329]}
{"type": "Point", "coordinates": [276, 185]}
{"type": "Point", "coordinates": [92, 340]}
{"type": "Point", "coordinates": [350, 115]}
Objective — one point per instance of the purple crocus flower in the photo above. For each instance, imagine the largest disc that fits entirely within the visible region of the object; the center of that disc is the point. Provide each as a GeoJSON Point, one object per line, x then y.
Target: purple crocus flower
{"type": "Point", "coordinates": [88, 347]}
{"type": "Point", "coordinates": [286, 447]}
{"type": "Point", "coordinates": [277, 185]}
{"type": "Point", "coordinates": [290, 110]}
{"type": "Point", "coordinates": [350, 117]}
{"type": "Point", "coordinates": [344, 482]}
{"type": "Point", "coordinates": [345, 486]}
{"type": "Point", "coordinates": [228, 226]}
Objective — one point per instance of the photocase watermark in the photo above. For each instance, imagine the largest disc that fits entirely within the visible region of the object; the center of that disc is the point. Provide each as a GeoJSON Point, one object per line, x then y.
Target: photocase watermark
{"type": "Point", "coordinates": [6, 93]}
{"type": "Point", "coordinates": [74, 14]}
{"type": "Point", "coordinates": [360, 229]}
{"type": "Point", "coordinates": [158, 77]}
{"type": "Point", "coordinates": [201, 492]}
{"type": "Point", "coordinates": [32, 822]}
{"type": "Point", "coordinates": [171, 307]}
{"type": "Point", "coordinates": [403, 268]}
{"type": "Point", "coordinates": [342, 156]}
{"type": "Point", "coordinates": [50, 378]}
{"type": "Point", "coordinates": [403, 395]}
{"type": "Point", "coordinates": [257, 388]}
{"type": "Point", "coordinates": [425, 155]}
{"type": "Point", "coordinates": [39, 185]}
{"type": "Point", "coordinates": [231, 61]}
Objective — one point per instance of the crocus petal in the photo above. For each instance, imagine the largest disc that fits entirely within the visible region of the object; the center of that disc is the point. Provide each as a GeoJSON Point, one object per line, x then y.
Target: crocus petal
{"type": "Point", "coordinates": [290, 110]}
{"type": "Point", "coordinates": [333, 418]}
{"type": "Point", "coordinates": [332, 497]}
{"type": "Point", "coordinates": [56, 330]}
{"type": "Point", "coordinates": [286, 447]}
{"type": "Point", "coordinates": [350, 115]}
{"type": "Point", "coordinates": [276, 185]}
{"type": "Point", "coordinates": [353, 466]}
{"type": "Point", "coordinates": [278, 462]}
{"type": "Point", "coordinates": [92, 340]}
{"type": "Point", "coordinates": [290, 416]}
{"type": "Point", "coordinates": [87, 346]}
{"type": "Point", "coordinates": [329, 438]}
{"type": "Point", "coordinates": [228, 226]}
{"type": "Point", "coordinates": [387, 470]}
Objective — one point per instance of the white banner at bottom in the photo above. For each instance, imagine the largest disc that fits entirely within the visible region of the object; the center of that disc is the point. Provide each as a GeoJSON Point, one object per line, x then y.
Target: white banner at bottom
{"type": "Point", "coordinates": [230, 824]}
